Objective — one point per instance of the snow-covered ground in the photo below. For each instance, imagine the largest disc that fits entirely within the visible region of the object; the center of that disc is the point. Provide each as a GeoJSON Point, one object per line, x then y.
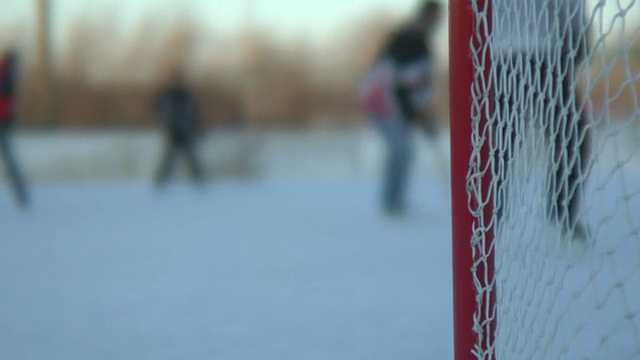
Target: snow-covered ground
{"type": "Point", "coordinates": [274, 154]}
{"type": "Point", "coordinates": [295, 260]}
{"type": "Point", "coordinates": [237, 270]}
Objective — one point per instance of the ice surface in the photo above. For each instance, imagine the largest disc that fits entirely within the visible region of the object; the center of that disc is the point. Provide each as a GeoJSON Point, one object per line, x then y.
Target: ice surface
{"type": "Point", "coordinates": [237, 270]}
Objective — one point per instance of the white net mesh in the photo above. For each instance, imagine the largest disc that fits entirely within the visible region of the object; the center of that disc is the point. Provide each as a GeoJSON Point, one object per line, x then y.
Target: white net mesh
{"type": "Point", "coordinates": [555, 108]}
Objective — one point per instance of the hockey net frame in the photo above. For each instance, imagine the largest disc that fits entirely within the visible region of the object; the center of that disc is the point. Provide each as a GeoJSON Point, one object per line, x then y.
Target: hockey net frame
{"type": "Point", "coordinates": [480, 271]}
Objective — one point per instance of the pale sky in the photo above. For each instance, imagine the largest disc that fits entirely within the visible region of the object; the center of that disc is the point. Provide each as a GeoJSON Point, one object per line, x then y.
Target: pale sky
{"type": "Point", "coordinates": [317, 19]}
{"type": "Point", "coordinates": [322, 22]}
{"type": "Point", "coordinates": [314, 19]}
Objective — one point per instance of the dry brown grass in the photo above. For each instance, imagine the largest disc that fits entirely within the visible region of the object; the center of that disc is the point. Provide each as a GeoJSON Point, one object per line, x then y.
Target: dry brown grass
{"type": "Point", "coordinates": [615, 88]}
{"type": "Point", "coordinates": [107, 80]}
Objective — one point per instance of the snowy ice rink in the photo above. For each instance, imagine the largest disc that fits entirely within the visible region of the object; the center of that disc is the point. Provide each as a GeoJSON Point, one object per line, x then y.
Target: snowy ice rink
{"type": "Point", "coordinates": [299, 263]}
{"type": "Point", "coordinates": [237, 270]}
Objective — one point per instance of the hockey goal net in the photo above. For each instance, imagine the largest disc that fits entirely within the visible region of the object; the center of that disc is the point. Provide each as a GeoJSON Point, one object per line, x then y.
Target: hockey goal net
{"type": "Point", "coordinates": [545, 121]}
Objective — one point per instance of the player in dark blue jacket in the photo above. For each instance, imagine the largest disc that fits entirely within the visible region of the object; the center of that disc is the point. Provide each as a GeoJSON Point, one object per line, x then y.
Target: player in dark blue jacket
{"type": "Point", "coordinates": [177, 108]}
{"type": "Point", "coordinates": [542, 62]}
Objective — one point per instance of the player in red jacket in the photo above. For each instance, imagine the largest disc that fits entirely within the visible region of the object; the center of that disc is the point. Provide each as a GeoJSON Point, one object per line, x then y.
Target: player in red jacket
{"type": "Point", "coordinates": [8, 77]}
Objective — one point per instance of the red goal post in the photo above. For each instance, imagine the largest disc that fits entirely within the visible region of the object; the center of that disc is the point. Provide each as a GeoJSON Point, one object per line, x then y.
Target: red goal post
{"type": "Point", "coordinates": [463, 78]}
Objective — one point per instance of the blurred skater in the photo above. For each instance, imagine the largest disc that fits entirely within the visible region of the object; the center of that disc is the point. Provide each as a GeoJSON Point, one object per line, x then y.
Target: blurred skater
{"type": "Point", "coordinates": [396, 96]}
{"type": "Point", "coordinates": [8, 85]}
{"type": "Point", "coordinates": [529, 57]}
{"type": "Point", "coordinates": [177, 109]}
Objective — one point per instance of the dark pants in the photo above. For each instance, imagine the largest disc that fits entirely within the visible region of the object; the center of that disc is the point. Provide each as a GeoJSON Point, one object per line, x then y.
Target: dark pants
{"type": "Point", "coordinates": [15, 176]}
{"type": "Point", "coordinates": [535, 95]}
{"type": "Point", "coordinates": [179, 144]}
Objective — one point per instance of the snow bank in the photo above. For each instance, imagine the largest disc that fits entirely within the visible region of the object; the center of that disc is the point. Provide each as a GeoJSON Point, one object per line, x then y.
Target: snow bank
{"type": "Point", "coordinates": [90, 155]}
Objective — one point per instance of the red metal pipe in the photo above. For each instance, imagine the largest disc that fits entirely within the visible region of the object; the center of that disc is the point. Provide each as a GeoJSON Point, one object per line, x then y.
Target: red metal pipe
{"type": "Point", "coordinates": [462, 23]}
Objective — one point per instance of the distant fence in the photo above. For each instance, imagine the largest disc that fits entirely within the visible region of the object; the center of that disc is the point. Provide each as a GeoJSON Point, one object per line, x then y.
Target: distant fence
{"type": "Point", "coordinates": [120, 155]}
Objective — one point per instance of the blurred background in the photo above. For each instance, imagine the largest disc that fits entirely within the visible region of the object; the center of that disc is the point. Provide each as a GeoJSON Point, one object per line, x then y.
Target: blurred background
{"type": "Point", "coordinates": [255, 65]}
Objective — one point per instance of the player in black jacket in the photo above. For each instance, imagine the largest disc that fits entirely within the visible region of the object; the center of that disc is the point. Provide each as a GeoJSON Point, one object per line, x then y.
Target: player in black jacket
{"type": "Point", "coordinates": [396, 96]}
